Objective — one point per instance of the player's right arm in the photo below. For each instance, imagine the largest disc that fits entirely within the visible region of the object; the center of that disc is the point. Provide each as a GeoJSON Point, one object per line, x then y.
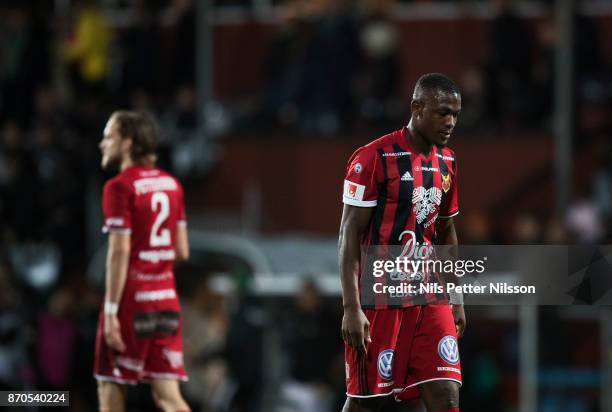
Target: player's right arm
{"type": "Point", "coordinates": [117, 260]}
{"type": "Point", "coordinates": [360, 196]}
{"type": "Point", "coordinates": [116, 200]}
{"type": "Point", "coordinates": [355, 325]}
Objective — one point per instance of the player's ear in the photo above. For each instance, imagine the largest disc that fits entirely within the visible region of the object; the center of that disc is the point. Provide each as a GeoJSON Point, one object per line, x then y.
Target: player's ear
{"type": "Point", "coordinates": [126, 144]}
{"type": "Point", "coordinates": [416, 108]}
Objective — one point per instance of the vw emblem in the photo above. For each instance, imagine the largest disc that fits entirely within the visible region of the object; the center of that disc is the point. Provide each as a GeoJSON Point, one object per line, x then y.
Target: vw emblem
{"type": "Point", "coordinates": [358, 168]}
{"type": "Point", "coordinates": [385, 364]}
{"type": "Point", "coordinates": [449, 350]}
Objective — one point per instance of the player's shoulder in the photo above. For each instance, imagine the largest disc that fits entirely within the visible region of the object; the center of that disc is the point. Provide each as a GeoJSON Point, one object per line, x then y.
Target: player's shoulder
{"type": "Point", "coordinates": [118, 182]}
{"type": "Point", "coordinates": [379, 144]}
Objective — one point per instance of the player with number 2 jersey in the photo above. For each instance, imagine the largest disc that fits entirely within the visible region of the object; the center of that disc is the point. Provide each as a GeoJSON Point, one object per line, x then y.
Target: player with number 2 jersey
{"type": "Point", "coordinates": [139, 332]}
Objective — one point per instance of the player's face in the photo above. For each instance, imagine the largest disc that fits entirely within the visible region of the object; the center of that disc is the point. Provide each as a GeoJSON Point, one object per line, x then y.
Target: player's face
{"type": "Point", "coordinates": [439, 116]}
{"type": "Point", "coordinates": [111, 146]}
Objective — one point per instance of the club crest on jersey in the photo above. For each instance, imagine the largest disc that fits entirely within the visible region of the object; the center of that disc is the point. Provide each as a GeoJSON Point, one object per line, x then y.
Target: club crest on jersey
{"type": "Point", "coordinates": [446, 182]}
{"type": "Point", "coordinates": [425, 201]}
{"type": "Point", "coordinates": [385, 364]}
{"type": "Point", "coordinates": [358, 168]}
{"type": "Point", "coordinates": [449, 350]}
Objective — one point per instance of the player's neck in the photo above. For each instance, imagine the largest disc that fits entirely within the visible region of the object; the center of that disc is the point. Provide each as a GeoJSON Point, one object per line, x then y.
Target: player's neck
{"type": "Point", "coordinates": [417, 140]}
{"type": "Point", "coordinates": [125, 163]}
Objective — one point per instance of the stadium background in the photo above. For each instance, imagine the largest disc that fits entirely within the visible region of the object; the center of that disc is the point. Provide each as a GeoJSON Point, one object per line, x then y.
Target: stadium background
{"type": "Point", "coordinates": [261, 102]}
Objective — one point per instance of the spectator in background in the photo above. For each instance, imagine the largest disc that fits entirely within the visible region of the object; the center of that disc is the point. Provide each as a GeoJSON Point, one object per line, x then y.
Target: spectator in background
{"type": "Point", "coordinates": [178, 48]}
{"type": "Point", "coordinates": [476, 229]}
{"type": "Point", "coordinates": [15, 335]}
{"type": "Point", "coordinates": [527, 230]}
{"type": "Point", "coordinates": [311, 66]}
{"type": "Point", "coordinates": [602, 184]}
{"type": "Point", "coordinates": [88, 48]}
{"type": "Point", "coordinates": [310, 351]}
{"type": "Point", "coordinates": [140, 45]}
{"type": "Point", "coordinates": [507, 69]}
{"type": "Point", "coordinates": [25, 54]}
{"type": "Point", "coordinates": [206, 322]}
{"type": "Point", "coordinates": [378, 80]}
{"type": "Point", "coordinates": [472, 85]}
{"type": "Point", "coordinates": [56, 335]}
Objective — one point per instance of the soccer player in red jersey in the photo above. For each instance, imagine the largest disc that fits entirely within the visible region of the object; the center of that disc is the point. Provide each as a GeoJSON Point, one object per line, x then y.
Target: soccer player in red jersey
{"type": "Point", "coordinates": [139, 329]}
{"type": "Point", "coordinates": [401, 190]}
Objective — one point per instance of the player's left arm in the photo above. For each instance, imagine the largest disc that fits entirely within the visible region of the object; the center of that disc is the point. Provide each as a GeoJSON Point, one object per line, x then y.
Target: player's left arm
{"type": "Point", "coordinates": [182, 238]}
{"type": "Point", "coordinates": [447, 235]}
{"type": "Point", "coordinates": [182, 243]}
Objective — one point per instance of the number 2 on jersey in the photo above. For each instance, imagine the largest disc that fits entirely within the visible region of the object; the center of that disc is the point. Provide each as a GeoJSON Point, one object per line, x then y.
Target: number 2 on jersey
{"type": "Point", "coordinates": [160, 203]}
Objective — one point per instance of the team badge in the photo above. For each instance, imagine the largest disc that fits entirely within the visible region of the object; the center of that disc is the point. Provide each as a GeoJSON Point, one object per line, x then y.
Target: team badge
{"type": "Point", "coordinates": [446, 182]}
{"type": "Point", "coordinates": [358, 168]}
{"type": "Point", "coordinates": [385, 364]}
{"type": "Point", "coordinates": [449, 350]}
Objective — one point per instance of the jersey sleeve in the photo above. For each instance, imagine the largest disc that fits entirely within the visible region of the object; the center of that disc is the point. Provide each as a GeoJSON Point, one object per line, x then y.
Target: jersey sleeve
{"type": "Point", "coordinates": [116, 207]}
{"type": "Point", "coordinates": [450, 203]}
{"type": "Point", "coordinates": [362, 179]}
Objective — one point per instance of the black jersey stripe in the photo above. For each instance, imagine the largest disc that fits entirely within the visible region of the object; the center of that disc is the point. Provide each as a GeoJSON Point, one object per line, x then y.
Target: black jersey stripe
{"type": "Point", "coordinates": [441, 162]}
{"type": "Point", "coordinates": [364, 368]}
{"type": "Point", "coordinates": [404, 165]}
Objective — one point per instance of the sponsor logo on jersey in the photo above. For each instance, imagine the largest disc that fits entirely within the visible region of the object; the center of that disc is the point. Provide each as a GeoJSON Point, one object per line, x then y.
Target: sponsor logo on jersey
{"type": "Point", "coordinates": [385, 364]}
{"type": "Point", "coordinates": [154, 184]}
{"type": "Point", "coordinates": [353, 190]}
{"type": "Point", "coordinates": [150, 277]}
{"type": "Point", "coordinates": [446, 182]}
{"type": "Point", "coordinates": [155, 256]}
{"type": "Point", "coordinates": [449, 350]}
{"type": "Point", "coordinates": [175, 358]}
{"type": "Point", "coordinates": [425, 169]}
{"type": "Point", "coordinates": [358, 168]}
{"type": "Point", "coordinates": [154, 295]}
{"type": "Point", "coordinates": [407, 177]}
{"type": "Point", "coordinates": [425, 201]}
{"type": "Point", "coordinates": [385, 384]}
{"type": "Point", "coordinates": [452, 159]}
{"type": "Point", "coordinates": [448, 369]}
{"type": "Point", "coordinates": [397, 154]}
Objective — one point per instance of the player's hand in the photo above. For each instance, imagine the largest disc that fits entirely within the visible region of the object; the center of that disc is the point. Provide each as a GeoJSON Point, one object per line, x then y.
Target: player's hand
{"type": "Point", "coordinates": [112, 333]}
{"type": "Point", "coordinates": [460, 321]}
{"type": "Point", "coordinates": [356, 329]}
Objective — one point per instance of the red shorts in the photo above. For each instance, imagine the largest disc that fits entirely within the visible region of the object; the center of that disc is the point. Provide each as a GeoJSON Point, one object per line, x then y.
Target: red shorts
{"type": "Point", "coordinates": [151, 328]}
{"type": "Point", "coordinates": [409, 346]}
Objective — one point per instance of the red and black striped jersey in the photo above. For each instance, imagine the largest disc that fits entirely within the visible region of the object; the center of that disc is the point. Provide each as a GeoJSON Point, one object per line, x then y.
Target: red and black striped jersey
{"type": "Point", "coordinates": [407, 189]}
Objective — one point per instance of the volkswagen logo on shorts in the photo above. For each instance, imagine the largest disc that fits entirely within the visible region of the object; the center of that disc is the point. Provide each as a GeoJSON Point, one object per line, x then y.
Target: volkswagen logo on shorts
{"type": "Point", "coordinates": [385, 364]}
{"type": "Point", "coordinates": [449, 350]}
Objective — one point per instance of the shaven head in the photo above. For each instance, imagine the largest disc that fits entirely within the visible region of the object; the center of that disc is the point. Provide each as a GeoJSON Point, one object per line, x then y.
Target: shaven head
{"type": "Point", "coordinates": [432, 84]}
{"type": "Point", "coordinates": [435, 107]}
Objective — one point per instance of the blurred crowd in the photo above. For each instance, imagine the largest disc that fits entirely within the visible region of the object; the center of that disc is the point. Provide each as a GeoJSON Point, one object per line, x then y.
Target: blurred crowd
{"type": "Point", "coordinates": [330, 67]}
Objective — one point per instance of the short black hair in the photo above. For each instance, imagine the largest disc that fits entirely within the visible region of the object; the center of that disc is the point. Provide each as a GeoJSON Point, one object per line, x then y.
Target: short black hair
{"type": "Point", "coordinates": [432, 82]}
